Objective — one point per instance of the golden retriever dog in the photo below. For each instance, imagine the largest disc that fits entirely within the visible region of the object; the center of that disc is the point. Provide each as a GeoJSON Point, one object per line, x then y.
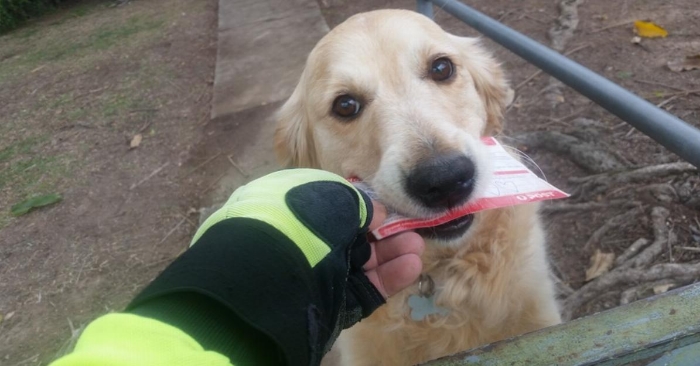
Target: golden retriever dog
{"type": "Point", "coordinates": [391, 98]}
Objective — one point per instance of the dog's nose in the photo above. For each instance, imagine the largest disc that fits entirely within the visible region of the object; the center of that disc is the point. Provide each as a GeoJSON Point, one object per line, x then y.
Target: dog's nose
{"type": "Point", "coordinates": [443, 181]}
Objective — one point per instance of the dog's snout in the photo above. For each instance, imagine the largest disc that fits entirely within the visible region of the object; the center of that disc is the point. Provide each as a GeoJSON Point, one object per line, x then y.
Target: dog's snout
{"type": "Point", "coordinates": [444, 181]}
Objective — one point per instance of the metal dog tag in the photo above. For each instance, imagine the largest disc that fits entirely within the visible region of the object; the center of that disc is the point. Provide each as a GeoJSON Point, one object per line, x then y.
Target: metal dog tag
{"type": "Point", "coordinates": [421, 307]}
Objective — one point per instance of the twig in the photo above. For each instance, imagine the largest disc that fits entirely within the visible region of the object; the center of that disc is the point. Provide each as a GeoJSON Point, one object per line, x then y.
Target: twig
{"type": "Point", "coordinates": [144, 127]}
{"type": "Point", "coordinates": [176, 86]}
{"type": "Point", "coordinates": [667, 101]}
{"type": "Point", "coordinates": [556, 207]}
{"type": "Point", "coordinates": [203, 164]}
{"type": "Point", "coordinates": [214, 183]}
{"type": "Point", "coordinates": [240, 170]}
{"type": "Point", "coordinates": [657, 84]}
{"type": "Point", "coordinates": [631, 251]}
{"type": "Point", "coordinates": [153, 173]}
{"type": "Point", "coordinates": [620, 24]}
{"type": "Point", "coordinates": [538, 72]}
{"type": "Point", "coordinates": [172, 230]}
{"type": "Point", "coordinates": [613, 223]}
{"type": "Point", "coordinates": [27, 360]}
{"type": "Point", "coordinates": [678, 93]}
{"type": "Point", "coordinates": [188, 220]}
{"type": "Point", "coordinates": [689, 249]}
{"type": "Point", "coordinates": [507, 13]}
{"type": "Point", "coordinates": [535, 19]}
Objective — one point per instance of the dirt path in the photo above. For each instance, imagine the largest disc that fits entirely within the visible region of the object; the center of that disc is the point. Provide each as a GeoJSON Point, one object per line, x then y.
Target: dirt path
{"type": "Point", "coordinates": [75, 88]}
{"type": "Point", "coordinates": [569, 137]}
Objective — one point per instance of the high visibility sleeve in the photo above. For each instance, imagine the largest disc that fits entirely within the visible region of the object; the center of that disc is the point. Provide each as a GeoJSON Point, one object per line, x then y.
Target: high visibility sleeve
{"type": "Point", "coordinates": [127, 339]}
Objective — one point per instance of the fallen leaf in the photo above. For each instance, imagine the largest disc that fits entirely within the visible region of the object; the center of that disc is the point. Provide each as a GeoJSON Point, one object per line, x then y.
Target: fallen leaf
{"type": "Point", "coordinates": [685, 64]}
{"type": "Point", "coordinates": [9, 315]}
{"type": "Point", "coordinates": [625, 74]}
{"type": "Point", "coordinates": [660, 289]}
{"type": "Point", "coordinates": [34, 202]}
{"type": "Point", "coordinates": [649, 29]}
{"type": "Point", "coordinates": [135, 141]}
{"type": "Point", "coordinates": [600, 263]}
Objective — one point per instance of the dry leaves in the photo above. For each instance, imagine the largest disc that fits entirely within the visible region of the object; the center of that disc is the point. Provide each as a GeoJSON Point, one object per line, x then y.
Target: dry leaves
{"type": "Point", "coordinates": [660, 289]}
{"type": "Point", "coordinates": [649, 29]}
{"type": "Point", "coordinates": [600, 263]}
{"type": "Point", "coordinates": [135, 141]}
{"type": "Point", "coordinates": [685, 64]}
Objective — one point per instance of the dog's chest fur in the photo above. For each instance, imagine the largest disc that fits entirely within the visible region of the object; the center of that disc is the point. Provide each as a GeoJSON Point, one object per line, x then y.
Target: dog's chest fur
{"type": "Point", "coordinates": [494, 286]}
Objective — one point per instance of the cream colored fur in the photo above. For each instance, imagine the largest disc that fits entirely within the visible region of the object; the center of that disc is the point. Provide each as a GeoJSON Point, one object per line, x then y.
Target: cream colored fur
{"type": "Point", "coordinates": [494, 279]}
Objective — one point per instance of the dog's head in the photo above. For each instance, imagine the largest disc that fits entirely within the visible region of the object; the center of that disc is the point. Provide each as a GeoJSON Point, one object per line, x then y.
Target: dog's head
{"type": "Point", "coordinates": [391, 98]}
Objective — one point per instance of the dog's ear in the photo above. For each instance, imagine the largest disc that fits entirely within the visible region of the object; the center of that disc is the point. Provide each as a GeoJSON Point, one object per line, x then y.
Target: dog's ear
{"type": "Point", "coordinates": [294, 144]}
{"type": "Point", "coordinates": [490, 82]}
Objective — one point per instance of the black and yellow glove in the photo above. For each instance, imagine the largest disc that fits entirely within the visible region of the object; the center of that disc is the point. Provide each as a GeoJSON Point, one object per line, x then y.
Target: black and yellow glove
{"type": "Point", "coordinates": [282, 257]}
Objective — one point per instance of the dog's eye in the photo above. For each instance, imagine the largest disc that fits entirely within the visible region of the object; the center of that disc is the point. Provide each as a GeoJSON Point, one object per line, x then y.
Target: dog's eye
{"type": "Point", "coordinates": [346, 106]}
{"type": "Point", "coordinates": [441, 69]}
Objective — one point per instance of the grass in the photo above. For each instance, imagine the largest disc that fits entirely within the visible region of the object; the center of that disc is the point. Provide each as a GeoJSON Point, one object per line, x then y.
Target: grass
{"type": "Point", "coordinates": [76, 36]}
{"type": "Point", "coordinates": [27, 172]}
{"type": "Point", "coordinates": [48, 51]}
{"type": "Point", "coordinates": [100, 39]}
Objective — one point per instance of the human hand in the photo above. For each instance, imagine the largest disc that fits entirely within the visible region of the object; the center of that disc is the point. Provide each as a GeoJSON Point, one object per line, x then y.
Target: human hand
{"type": "Point", "coordinates": [395, 261]}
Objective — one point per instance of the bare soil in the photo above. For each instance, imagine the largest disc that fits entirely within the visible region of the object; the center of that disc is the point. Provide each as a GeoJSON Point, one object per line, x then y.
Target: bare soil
{"type": "Point", "coordinates": [75, 88]}
{"type": "Point", "coordinates": [601, 42]}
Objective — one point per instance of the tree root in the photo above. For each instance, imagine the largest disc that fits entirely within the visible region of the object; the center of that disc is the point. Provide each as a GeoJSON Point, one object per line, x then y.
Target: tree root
{"type": "Point", "coordinates": [559, 35]}
{"type": "Point", "coordinates": [659, 215]}
{"type": "Point", "coordinates": [589, 156]}
{"type": "Point", "coordinates": [613, 223]}
{"type": "Point", "coordinates": [631, 269]}
{"type": "Point", "coordinates": [595, 184]}
{"type": "Point", "coordinates": [631, 251]}
{"type": "Point", "coordinates": [559, 207]}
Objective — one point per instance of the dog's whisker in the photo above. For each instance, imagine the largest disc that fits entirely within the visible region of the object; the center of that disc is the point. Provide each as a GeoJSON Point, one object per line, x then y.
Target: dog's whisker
{"type": "Point", "coordinates": [438, 10]}
{"type": "Point", "coordinates": [528, 159]}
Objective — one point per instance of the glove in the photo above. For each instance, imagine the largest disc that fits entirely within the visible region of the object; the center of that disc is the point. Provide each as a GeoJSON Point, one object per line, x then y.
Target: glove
{"type": "Point", "coordinates": [285, 254]}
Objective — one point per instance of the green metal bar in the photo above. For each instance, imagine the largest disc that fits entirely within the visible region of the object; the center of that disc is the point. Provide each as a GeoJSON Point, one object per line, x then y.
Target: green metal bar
{"type": "Point", "coordinates": [637, 331]}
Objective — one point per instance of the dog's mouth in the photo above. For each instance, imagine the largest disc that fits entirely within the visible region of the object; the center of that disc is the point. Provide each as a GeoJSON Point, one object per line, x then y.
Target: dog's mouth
{"type": "Point", "coordinates": [449, 230]}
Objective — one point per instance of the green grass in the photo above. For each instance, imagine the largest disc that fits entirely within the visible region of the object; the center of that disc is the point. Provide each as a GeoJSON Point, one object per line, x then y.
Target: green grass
{"type": "Point", "coordinates": [71, 40]}
{"type": "Point", "coordinates": [29, 173]}
{"type": "Point", "coordinates": [100, 39]}
{"type": "Point", "coordinates": [22, 147]}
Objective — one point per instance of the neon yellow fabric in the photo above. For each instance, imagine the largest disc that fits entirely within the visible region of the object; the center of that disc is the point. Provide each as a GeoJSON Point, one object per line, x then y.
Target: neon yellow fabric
{"type": "Point", "coordinates": [131, 340]}
{"type": "Point", "coordinates": [265, 201]}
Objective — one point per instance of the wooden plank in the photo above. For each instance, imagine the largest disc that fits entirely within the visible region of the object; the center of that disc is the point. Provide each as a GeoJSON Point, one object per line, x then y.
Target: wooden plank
{"type": "Point", "coordinates": [637, 331]}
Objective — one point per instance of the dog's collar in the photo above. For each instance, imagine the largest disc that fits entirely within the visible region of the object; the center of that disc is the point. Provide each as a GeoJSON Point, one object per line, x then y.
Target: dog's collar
{"type": "Point", "coordinates": [423, 304]}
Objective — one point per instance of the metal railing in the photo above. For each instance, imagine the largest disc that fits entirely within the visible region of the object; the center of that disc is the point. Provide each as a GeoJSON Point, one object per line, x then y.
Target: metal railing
{"type": "Point", "coordinates": [667, 129]}
{"type": "Point", "coordinates": [637, 331]}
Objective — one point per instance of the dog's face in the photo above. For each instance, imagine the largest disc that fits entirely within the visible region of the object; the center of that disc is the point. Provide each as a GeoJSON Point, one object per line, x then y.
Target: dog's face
{"type": "Point", "coordinates": [392, 99]}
